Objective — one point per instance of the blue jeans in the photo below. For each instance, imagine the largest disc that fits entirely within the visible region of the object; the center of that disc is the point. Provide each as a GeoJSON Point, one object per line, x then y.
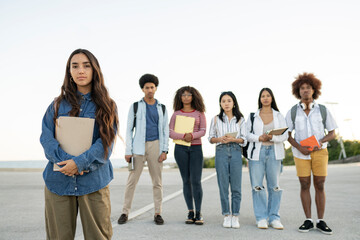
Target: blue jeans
{"type": "Point", "coordinates": [266, 207]}
{"type": "Point", "coordinates": [228, 164]}
{"type": "Point", "coordinates": [190, 162]}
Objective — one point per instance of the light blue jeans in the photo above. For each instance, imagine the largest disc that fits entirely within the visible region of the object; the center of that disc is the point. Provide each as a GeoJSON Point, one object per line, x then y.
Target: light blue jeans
{"type": "Point", "coordinates": [228, 164]}
{"type": "Point", "coordinates": [266, 207]}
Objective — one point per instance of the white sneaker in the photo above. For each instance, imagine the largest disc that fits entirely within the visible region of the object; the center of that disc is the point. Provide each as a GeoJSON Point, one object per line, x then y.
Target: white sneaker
{"type": "Point", "coordinates": [227, 222]}
{"type": "Point", "coordinates": [262, 224]}
{"type": "Point", "coordinates": [277, 225]}
{"type": "Point", "coordinates": [235, 222]}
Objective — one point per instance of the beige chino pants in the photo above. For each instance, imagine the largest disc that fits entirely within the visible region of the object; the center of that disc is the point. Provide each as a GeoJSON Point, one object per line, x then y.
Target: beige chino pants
{"type": "Point", "coordinates": [152, 149]}
{"type": "Point", "coordinates": [61, 213]}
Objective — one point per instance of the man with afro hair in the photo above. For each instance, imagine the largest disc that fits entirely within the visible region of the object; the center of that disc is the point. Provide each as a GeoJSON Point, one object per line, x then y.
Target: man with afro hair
{"type": "Point", "coordinates": [308, 118]}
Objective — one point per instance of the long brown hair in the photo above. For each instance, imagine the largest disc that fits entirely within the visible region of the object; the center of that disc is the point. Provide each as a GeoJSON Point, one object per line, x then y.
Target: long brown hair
{"type": "Point", "coordinates": [197, 101]}
{"type": "Point", "coordinates": [106, 111]}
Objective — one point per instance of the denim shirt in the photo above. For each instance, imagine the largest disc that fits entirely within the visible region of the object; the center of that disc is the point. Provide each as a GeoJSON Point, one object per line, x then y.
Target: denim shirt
{"type": "Point", "coordinates": [135, 142]}
{"type": "Point", "coordinates": [100, 170]}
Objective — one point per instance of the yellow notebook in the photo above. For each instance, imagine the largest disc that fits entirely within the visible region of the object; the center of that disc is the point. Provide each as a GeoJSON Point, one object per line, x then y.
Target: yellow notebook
{"type": "Point", "coordinates": [184, 125]}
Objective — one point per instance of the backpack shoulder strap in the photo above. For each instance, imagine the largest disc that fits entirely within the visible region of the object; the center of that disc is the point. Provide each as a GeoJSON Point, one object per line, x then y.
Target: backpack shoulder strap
{"type": "Point", "coordinates": [252, 117]}
{"type": "Point", "coordinates": [323, 114]}
{"type": "Point", "coordinates": [163, 108]}
{"type": "Point", "coordinates": [135, 107]}
{"type": "Point", "coordinates": [293, 114]}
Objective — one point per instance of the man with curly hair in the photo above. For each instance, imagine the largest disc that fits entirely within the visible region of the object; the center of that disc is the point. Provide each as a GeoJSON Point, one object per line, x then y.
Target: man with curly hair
{"type": "Point", "coordinates": [147, 136]}
{"type": "Point", "coordinates": [308, 118]}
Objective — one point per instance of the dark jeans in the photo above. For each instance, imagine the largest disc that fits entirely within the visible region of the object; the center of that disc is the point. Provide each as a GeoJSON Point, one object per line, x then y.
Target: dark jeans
{"type": "Point", "coordinates": [190, 162]}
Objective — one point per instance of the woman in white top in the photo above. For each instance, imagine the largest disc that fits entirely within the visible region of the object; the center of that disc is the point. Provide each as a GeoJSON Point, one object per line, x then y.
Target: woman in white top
{"type": "Point", "coordinates": [228, 131]}
{"type": "Point", "coordinates": [265, 153]}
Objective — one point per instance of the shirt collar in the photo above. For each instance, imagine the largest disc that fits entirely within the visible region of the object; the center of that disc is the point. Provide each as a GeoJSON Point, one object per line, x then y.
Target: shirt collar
{"type": "Point", "coordinates": [156, 101]}
{"type": "Point", "coordinates": [225, 117]}
{"type": "Point", "coordinates": [85, 96]}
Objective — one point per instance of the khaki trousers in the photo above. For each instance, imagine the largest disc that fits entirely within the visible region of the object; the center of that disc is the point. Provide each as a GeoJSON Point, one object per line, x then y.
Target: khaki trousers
{"type": "Point", "coordinates": [61, 213]}
{"type": "Point", "coordinates": [152, 149]}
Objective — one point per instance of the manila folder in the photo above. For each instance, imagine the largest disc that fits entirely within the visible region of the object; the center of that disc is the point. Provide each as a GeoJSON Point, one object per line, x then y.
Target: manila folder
{"type": "Point", "coordinates": [184, 125]}
{"type": "Point", "coordinates": [74, 134]}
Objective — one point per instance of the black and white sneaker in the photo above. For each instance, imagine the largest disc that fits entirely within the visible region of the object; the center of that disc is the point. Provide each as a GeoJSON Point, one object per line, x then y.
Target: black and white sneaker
{"type": "Point", "coordinates": [198, 218]}
{"type": "Point", "coordinates": [307, 226]}
{"type": "Point", "coordinates": [322, 227]}
{"type": "Point", "coordinates": [190, 218]}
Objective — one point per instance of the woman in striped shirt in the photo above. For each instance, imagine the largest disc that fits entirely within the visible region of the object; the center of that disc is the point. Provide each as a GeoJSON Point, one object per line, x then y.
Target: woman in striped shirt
{"type": "Point", "coordinates": [228, 131]}
{"type": "Point", "coordinates": [188, 102]}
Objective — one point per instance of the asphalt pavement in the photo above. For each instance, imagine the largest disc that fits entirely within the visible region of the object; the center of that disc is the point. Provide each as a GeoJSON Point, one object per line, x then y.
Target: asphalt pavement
{"type": "Point", "coordinates": [22, 207]}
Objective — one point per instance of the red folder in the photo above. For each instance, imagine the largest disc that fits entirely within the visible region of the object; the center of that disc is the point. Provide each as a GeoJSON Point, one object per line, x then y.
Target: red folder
{"type": "Point", "coordinates": [311, 142]}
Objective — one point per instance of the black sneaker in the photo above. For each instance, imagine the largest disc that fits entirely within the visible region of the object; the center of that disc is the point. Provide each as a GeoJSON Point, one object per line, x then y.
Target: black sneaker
{"type": "Point", "coordinates": [158, 220]}
{"type": "Point", "coordinates": [190, 218]}
{"type": "Point", "coordinates": [199, 219]}
{"type": "Point", "coordinates": [322, 227]}
{"type": "Point", "coordinates": [307, 226]}
{"type": "Point", "coordinates": [122, 219]}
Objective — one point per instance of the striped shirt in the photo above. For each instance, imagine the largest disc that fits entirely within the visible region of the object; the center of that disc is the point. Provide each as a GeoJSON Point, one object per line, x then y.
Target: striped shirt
{"type": "Point", "coordinates": [223, 127]}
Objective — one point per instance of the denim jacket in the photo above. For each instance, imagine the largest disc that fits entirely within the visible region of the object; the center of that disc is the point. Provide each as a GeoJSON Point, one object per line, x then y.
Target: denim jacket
{"type": "Point", "coordinates": [135, 142]}
{"type": "Point", "coordinates": [100, 170]}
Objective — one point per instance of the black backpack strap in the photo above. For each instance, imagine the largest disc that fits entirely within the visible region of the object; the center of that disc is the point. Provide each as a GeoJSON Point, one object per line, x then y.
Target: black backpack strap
{"type": "Point", "coordinates": [163, 108]}
{"type": "Point", "coordinates": [252, 117]}
{"type": "Point", "coordinates": [135, 107]}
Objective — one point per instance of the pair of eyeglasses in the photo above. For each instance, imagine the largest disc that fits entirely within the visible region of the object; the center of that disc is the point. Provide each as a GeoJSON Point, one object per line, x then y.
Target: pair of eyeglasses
{"type": "Point", "coordinates": [186, 95]}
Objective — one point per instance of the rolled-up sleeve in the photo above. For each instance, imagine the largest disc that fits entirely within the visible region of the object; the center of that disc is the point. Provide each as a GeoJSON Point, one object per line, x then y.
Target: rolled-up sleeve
{"type": "Point", "coordinates": [165, 145]}
{"type": "Point", "coordinates": [92, 158]}
{"type": "Point", "coordinates": [53, 152]}
{"type": "Point", "coordinates": [251, 137]}
{"type": "Point", "coordinates": [202, 127]}
{"type": "Point", "coordinates": [330, 122]}
{"type": "Point", "coordinates": [282, 124]}
{"type": "Point", "coordinates": [173, 134]}
{"type": "Point", "coordinates": [129, 131]}
{"type": "Point", "coordinates": [243, 132]}
{"type": "Point", "coordinates": [212, 131]}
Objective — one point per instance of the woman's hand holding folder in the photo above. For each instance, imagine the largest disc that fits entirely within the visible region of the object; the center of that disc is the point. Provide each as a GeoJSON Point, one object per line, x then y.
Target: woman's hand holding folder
{"type": "Point", "coordinates": [70, 168]}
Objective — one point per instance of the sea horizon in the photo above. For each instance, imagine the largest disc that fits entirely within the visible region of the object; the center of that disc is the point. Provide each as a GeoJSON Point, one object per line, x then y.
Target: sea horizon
{"type": "Point", "coordinates": [117, 163]}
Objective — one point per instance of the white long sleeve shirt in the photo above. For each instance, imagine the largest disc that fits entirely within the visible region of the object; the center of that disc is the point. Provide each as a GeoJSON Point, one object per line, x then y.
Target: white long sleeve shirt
{"type": "Point", "coordinates": [220, 128]}
{"type": "Point", "coordinates": [258, 126]}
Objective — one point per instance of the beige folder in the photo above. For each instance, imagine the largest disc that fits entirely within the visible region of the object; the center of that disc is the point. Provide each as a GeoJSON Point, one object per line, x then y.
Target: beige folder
{"type": "Point", "coordinates": [74, 134]}
{"type": "Point", "coordinates": [277, 131]}
{"type": "Point", "coordinates": [184, 125]}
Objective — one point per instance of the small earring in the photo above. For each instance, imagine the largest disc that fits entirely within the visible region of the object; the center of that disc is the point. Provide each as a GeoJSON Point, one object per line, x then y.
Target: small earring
{"type": "Point", "coordinates": [71, 79]}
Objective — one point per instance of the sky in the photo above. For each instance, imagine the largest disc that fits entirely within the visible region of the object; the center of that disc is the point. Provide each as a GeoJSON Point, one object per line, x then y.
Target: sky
{"type": "Point", "coordinates": [214, 46]}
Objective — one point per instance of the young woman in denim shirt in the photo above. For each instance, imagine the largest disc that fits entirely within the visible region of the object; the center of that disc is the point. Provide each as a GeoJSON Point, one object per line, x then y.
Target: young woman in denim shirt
{"type": "Point", "coordinates": [228, 131]}
{"type": "Point", "coordinates": [82, 182]}
{"type": "Point", "coordinates": [189, 102]}
{"type": "Point", "coordinates": [265, 153]}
